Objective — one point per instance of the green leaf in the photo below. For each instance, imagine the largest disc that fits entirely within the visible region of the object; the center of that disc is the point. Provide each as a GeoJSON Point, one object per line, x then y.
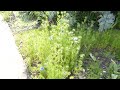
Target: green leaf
{"type": "Point", "coordinates": [114, 76]}
{"type": "Point", "coordinates": [94, 58]}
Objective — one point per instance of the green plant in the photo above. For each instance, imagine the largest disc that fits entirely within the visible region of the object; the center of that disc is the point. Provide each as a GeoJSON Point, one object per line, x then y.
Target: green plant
{"type": "Point", "coordinates": [117, 21]}
{"type": "Point", "coordinates": [93, 57]}
{"type": "Point", "coordinates": [106, 21]}
{"type": "Point", "coordinates": [113, 70]}
{"type": "Point", "coordinates": [32, 15]}
{"type": "Point", "coordinates": [94, 71]}
{"type": "Point", "coordinates": [55, 50]}
{"type": "Point", "coordinates": [6, 15]}
{"type": "Point", "coordinates": [77, 17]}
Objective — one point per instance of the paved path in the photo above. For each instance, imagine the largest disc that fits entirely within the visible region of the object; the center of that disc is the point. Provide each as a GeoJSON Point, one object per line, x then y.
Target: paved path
{"type": "Point", "coordinates": [12, 65]}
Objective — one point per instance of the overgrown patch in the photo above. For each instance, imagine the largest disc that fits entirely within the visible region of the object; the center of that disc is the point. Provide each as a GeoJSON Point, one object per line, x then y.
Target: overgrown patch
{"type": "Point", "coordinates": [59, 52]}
{"type": "Point", "coordinates": [56, 50]}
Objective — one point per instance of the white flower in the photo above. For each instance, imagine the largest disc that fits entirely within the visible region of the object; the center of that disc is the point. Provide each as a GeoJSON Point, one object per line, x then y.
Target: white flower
{"type": "Point", "coordinates": [75, 38]}
{"type": "Point", "coordinates": [83, 70]}
{"type": "Point", "coordinates": [73, 29]}
{"type": "Point", "coordinates": [51, 37]}
{"type": "Point", "coordinates": [104, 71]}
{"type": "Point", "coordinates": [70, 32]}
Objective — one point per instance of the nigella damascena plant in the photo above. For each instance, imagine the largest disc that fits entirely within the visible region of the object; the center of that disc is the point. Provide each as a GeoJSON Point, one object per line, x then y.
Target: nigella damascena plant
{"type": "Point", "coordinates": [51, 37]}
{"type": "Point", "coordinates": [75, 39]}
{"type": "Point", "coordinates": [41, 68]}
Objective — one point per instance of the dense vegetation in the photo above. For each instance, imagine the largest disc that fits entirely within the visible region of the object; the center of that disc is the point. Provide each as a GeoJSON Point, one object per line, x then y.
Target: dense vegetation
{"type": "Point", "coordinates": [72, 44]}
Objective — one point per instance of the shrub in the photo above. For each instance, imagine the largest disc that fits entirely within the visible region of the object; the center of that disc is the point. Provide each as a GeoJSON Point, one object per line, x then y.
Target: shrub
{"type": "Point", "coordinates": [106, 21]}
{"type": "Point", "coordinates": [6, 15]}
{"type": "Point", "coordinates": [52, 54]}
{"type": "Point", "coordinates": [31, 15]}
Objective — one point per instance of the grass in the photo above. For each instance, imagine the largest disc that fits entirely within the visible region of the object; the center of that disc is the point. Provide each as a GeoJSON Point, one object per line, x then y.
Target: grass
{"type": "Point", "coordinates": [105, 46]}
{"type": "Point", "coordinates": [94, 39]}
